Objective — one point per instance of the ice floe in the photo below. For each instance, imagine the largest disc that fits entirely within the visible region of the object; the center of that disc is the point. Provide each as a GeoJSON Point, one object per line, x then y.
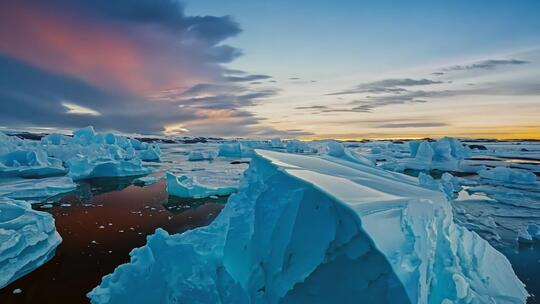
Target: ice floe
{"type": "Point", "coordinates": [306, 229]}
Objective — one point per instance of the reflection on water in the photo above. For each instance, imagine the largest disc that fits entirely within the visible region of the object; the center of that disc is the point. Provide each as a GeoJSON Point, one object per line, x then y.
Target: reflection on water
{"type": "Point", "coordinates": [106, 219]}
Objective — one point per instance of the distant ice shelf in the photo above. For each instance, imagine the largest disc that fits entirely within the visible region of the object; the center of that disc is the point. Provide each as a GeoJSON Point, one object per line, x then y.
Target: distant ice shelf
{"type": "Point", "coordinates": [319, 229]}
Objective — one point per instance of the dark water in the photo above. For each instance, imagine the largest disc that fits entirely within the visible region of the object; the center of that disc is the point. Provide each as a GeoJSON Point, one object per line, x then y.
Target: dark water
{"type": "Point", "coordinates": [105, 221]}
{"type": "Point", "coordinates": [525, 260]}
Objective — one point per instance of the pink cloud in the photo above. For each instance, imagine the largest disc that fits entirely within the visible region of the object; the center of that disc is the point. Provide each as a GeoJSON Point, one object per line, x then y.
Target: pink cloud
{"type": "Point", "coordinates": [110, 55]}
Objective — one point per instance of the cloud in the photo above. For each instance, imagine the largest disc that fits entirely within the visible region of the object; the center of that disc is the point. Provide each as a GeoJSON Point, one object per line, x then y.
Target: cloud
{"type": "Point", "coordinates": [123, 50]}
{"type": "Point", "coordinates": [412, 125]}
{"type": "Point", "coordinates": [393, 85]}
{"type": "Point", "coordinates": [252, 77]}
{"type": "Point", "coordinates": [486, 64]}
{"type": "Point", "coordinates": [311, 107]}
{"type": "Point", "coordinates": [143, 66]}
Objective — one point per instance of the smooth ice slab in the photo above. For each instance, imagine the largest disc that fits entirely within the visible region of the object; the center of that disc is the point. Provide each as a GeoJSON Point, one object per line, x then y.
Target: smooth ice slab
{"type": "Point", "coordinates": [28, 239]}
{"type": "Point", "coordinates": [306, 229]}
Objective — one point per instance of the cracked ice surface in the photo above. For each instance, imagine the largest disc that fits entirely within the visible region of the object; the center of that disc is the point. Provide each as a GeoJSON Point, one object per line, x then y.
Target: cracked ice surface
{"type": "Point", "coordinates": [305, 229]}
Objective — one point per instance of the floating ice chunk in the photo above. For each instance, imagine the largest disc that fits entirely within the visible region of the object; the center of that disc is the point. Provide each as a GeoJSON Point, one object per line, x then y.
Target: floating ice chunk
{"type": "Point", "coordinates": [444, 154]}
{"type": "Point", "coordinates": [304, 229]}
{"type": "Point", "coordinates": [25, 163]}
{"type": "Point", "coordinates": [28, 239]}
{"type": "Point", "coordinates": [36, 189]}
{"type": "Point", "coordinates": [147, 180]}
{"type": "Point", "coordinates": [150, 153]}
{"type": "Point", "coordinates": [336, 149]}
{"type": "Point", "coordinates": [448, 184]}
{"type": "Point", "coordinates": [230, 150]}
{"type": "Point", "coordinates": [508, 175]}
{"type": "Point", "coordinates": [201, 155]}
{"type": "Point", "coordinates": [82, 168]}
{"type": "Point", "coordinates": [296, 146]}
{"type": "Point", "coordinates": [529, 234]}
{"type": "Point", "coordinates": [185, 186]}
{"type": "Point", "coordinates": [17, 291]}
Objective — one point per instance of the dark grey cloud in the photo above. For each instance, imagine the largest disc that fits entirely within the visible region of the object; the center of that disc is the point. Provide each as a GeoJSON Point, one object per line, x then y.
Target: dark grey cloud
{"type": "Point", "coordinates": [246, 78]}
{"type": "Point", "coordinates": [486, 64]}
{"type": "Point", "coordinates": [437, 73]}
{"type": "Point", "coordinates": [34, 97]}
{"type": "Point", "coordinates": [311, 107]}
{"type": "Point", "coordinates": [372, 102]}
{"type": "Point", "coordinates": [393, 85]}
{"type": "Point", "coordinates": [412, 125]}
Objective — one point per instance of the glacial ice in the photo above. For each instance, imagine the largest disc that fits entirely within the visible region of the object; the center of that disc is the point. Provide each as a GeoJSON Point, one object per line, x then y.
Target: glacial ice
{"type": "Point", "coordinates": [305, 229]}
{"type": "Point", "coordinates": [197, 155]}
{"type": "Point", "coordinates": [188, 187]}
{"type": "Point", "coordinates": [508, 175]}
{"type": "Point", "coordinates": [28, 239]}
{"type": "Point", "coordinates": [36, 189]}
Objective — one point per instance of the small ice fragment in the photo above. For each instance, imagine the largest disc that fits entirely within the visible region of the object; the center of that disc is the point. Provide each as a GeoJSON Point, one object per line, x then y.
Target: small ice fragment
{"type": "Point", "coordinates": [121, 231]}
{"type": "Point", "coordinates": [46, 206]}
{"type": "Point", "coordinates": [65, 205]}
{"type": "Point", "coordinates": [17, 291]}
{"type": "Point", "coordinates": [101, 227]}
{"type": "Point", "coordinates": [214, 196]}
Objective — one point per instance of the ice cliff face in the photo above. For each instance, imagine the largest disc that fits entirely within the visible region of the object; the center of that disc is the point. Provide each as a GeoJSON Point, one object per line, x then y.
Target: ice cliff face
{"type": "Point", "coordinates": [305, 229]}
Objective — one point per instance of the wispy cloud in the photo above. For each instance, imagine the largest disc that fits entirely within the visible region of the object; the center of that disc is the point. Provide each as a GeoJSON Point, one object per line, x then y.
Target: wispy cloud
{"type": "Point", "coordinates": [393, 85]}
{"type": "Point", "coordinates": [486, 64]}
{"type": "Point", "coordinates": [252, 77]}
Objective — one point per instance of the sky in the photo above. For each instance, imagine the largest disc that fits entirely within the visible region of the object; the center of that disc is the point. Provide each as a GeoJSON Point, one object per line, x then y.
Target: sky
{"type": "Point", "coordinates": [312, 69]}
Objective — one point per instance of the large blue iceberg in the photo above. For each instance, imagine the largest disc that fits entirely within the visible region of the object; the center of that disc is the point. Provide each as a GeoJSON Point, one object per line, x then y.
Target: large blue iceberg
{"type": "Point", "coordinates": [305, 229]}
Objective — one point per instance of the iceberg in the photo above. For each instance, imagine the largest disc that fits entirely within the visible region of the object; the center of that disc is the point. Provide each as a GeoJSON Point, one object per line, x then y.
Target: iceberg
{"type": "Point", "coordinates": [296, 146]}
{"type": "Point", "coordinates": [188, 187]}
{"type": "Point", "coordinates": [36, 189]}
{"type": "Point", "coordinates": [29, 164]}
{"type": "Point", "coordinates": [83, 168]}
{"type": "Point", "coordinates": [147, 180]}
{"type": "Point", "coordinates": [336, 149]}
{"type": "Point", "coordinates": [508, 175]}
{"type": "Point", "coordinates": [28, 239]}
{"type": "Point", "coordinates": [445, 154]}
{"type": "Point", "coordinates": [306, 229]}
{"type": "Point", "coordinates": [230, 150]}
{"type": "Point", "coordinates": [448, 184]}
{"type": "Point", "coordinates": [201, 155]}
